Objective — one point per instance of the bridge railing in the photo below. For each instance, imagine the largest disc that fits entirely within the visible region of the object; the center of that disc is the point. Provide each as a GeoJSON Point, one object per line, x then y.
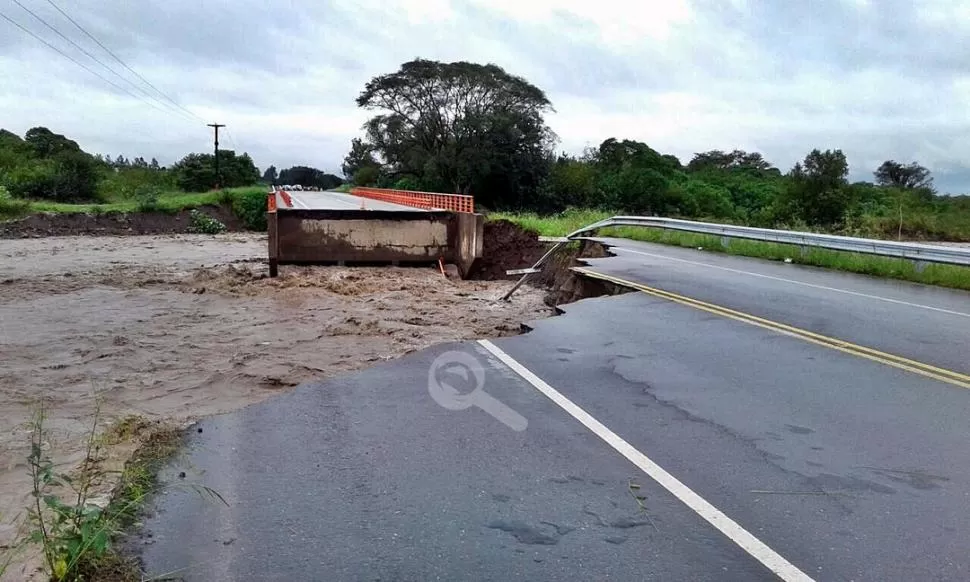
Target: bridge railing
{"type": "Point", "coordinates": [423, 200]}
{"type": "Point", "coordinates": [902, 250]}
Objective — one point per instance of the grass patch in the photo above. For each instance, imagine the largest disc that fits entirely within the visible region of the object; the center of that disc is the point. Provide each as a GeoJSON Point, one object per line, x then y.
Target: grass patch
{"type": "Point", "coordinates": [554, 225]}
{"type": "Point", "coordinates": [161, 202]}
{"type": "Point", "coordinates": [11, 208]}
{"type": "Point", "coordinates": [77, 535]}
{"type": "Point", "coordinates": [952, 276]}
{"type": "Point", "coordinates": [139, 478]}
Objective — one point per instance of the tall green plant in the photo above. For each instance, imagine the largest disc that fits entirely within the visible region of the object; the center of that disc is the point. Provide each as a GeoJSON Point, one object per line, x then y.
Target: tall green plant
{"type": "Point", "coordinates": [68, 533]}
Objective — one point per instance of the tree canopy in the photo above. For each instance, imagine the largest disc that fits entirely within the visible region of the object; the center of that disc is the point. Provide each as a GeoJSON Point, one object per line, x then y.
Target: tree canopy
{"type": "Point", "coordinates": [197, 172]}
{"type": "Point", "coordinates": [311, 177]}
{"type": "Point", "coordinates": [45, 164]}
{"type": "Point", "coordinates": [458, 127]}
{"type": "Point", "coordinates": [361, 156]}
{"type": "Point", "coordinates": [270, 175]}
{"type": "Point", "coordinates": [897, 175]}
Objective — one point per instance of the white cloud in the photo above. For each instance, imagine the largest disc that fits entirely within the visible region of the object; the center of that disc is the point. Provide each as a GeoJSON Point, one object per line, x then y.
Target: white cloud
{"type": "Point", "coordinates": [886, 81]}
{"type": "Point", "coordinates": [619, 23]}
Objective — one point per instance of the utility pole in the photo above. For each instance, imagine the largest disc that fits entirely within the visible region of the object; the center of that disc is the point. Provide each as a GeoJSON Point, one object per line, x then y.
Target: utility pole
{"type": "Point", "coordinates": [216, 127]}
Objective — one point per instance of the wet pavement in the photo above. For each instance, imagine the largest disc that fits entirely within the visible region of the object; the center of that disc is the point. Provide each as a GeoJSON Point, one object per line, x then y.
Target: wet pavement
{"type": "Point", "coordinates": [848, 468]}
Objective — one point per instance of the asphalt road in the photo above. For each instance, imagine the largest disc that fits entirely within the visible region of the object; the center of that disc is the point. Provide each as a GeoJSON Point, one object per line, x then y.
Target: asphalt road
{"type": "Point", "coordinates": [329, 200]}
{"type": "Point", "coordinates": [781, 453]}
{"type": "Point", "coordinates": [924, 323]}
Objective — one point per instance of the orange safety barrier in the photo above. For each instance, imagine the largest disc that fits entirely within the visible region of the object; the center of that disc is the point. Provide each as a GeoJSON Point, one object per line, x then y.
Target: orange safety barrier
{"type": "Point", "coordinates": [286, 198]}
{"type": "Point", "coordinates": [425, 200]}
{"type": "Point", "coordinates": [271, 202]}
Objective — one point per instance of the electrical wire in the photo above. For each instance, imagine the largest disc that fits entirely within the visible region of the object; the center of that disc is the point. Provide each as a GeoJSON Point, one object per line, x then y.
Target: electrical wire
{"type": "Point", "coordinates": [95, 59]}
{"type": "Point", "coordinates": [235, 146]}
{"type": "Point", "coordinates": [73, 60]}
{"type": "Point", "coordinates": [123, 63]}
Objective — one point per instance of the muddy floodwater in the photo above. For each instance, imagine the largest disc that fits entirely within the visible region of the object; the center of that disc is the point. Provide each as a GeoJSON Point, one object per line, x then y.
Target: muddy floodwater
{"type": "Point", "coordinates": [178, 327]}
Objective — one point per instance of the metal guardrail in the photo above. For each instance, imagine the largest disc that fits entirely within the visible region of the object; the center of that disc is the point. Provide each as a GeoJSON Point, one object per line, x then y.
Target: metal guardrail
{"type": "Point", "coordinates": [884, 248]}
{"type": "Point", "coordinates": [424, 200]}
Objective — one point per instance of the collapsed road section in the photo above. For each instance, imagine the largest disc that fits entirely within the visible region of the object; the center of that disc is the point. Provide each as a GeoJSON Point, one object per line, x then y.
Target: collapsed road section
{"type": "Point", "coordinates": [373, 226]}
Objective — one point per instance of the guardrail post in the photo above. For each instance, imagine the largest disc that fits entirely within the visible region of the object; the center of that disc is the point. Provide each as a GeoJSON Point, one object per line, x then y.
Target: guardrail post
{"type": "Point", "coordinates": [920, 265]}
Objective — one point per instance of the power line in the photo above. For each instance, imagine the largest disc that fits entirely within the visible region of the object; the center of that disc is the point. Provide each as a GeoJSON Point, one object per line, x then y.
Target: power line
{"type": "Point", "coordinates": [73, 60]}
{"type": "Point", "coordinates": [92, 57]}
{"type": "Point", "coordinates": [232, 140]}
{"type": "Point", "coordinates": [123, 63]}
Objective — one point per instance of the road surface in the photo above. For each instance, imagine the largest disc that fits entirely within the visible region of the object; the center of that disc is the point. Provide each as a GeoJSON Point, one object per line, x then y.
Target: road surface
{"type": "Point", "coordinates": [645, 436]}
{"type": "Point", "coordinates": [330, 200]}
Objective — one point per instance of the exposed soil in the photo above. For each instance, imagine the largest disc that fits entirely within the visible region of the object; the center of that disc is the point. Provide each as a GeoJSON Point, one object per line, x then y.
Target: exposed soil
{"type": "Point", "coordinates": [178, 327]}
{"type": "Point", "coordinates": [507, 246]}
{"type": "Point", "coordinates": [113, 223]}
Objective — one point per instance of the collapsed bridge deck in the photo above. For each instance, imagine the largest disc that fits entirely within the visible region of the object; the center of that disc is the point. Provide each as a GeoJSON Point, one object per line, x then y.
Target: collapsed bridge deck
{"type": "Point", "coordinates": [372, 226]}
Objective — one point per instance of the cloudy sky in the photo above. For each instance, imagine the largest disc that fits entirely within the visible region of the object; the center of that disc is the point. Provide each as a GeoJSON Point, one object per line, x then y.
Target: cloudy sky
{"type": "Point", "coordinates": [880, 79]}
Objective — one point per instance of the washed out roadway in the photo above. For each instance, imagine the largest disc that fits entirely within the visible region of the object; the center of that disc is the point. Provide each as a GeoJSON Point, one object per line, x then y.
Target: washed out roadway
{"type": "Point", "coordinates": [848, 468]}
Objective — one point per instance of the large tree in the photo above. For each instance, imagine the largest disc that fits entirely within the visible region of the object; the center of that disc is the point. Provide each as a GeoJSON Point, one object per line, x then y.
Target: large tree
{"type": "Point", "coordinates": [907, 176]}
{"type": "Point", "coordinates": [361, 155]}
{"type": "Point", "coordinates": [47, 144]}
{"type": "Point", "coordinates": [270, 175]}
{"type": "Point", "coordinates": [737, 159]}
{"type": "Point", "coordinates": [306, 176]}
{"type": "Point", "coordinates": [818, 192]}
{"type": "Point", "coordinates": [196, 172]}
{"type": "Point", "coordinates": [461, 127]}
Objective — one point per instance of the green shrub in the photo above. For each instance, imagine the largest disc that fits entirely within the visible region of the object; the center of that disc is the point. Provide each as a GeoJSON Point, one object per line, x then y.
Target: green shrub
{"type": "Point", "coordinates": [201, 223]}
{"type": "Point", "coordinates": [367, 176]}
{"type": "Point", "coordinates": [11, 207]}
{"type": "Point", "coordinates": [147, 197]}
{"type": "Point", "coordinates": [31, 181]}
{"type": "Point", "coordinates": [250, 207]}
{"type": "Point", "coordinates": [226, 197]}
{"type": "Point", "coordinates": [125, 183]}
{"type": "Point", "coordinates": [71, 176]}
{"type": "Point", "coordinates": [408, 183]}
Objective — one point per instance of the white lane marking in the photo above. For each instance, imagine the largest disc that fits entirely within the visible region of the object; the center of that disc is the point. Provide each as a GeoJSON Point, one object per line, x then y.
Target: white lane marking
{"type": "Point", "coordinates": [727, 526]}
{"type": "Point", "coordinates": [795, 282]}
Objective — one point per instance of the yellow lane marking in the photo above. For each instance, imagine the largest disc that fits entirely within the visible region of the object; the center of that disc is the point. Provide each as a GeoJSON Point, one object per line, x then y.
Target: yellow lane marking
{"type": "Point", "coordinates": [930, 371]}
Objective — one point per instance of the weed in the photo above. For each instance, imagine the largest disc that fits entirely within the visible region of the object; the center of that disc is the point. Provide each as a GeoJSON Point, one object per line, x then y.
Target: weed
{"type": "Point", "coordinates": [70, 534]}
{"type": "Point", "coordinates": [225, 197]}
{"type": "Point", "coordinates": [77, 537]}
{"type": "Point", "coordinates": [202, 223]}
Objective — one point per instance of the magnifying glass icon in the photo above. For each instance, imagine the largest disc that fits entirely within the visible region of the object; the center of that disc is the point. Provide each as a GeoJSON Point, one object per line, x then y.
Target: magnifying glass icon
{"type": "Point", "coordinates": [454, 368]}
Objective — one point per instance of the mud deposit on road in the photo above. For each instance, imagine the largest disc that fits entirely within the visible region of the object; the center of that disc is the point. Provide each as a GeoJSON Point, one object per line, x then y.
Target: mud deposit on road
{"type": "Point", "coordinates": [174, 328]}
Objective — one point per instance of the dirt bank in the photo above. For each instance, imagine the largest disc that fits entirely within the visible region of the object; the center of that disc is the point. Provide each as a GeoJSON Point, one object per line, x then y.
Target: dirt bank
{"type": "Point", "coordinates": [182, 327]}
{"type": "Point", "coordinates": [507, 246]}
{"type": "Point", "coordinates": [113, 223]}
